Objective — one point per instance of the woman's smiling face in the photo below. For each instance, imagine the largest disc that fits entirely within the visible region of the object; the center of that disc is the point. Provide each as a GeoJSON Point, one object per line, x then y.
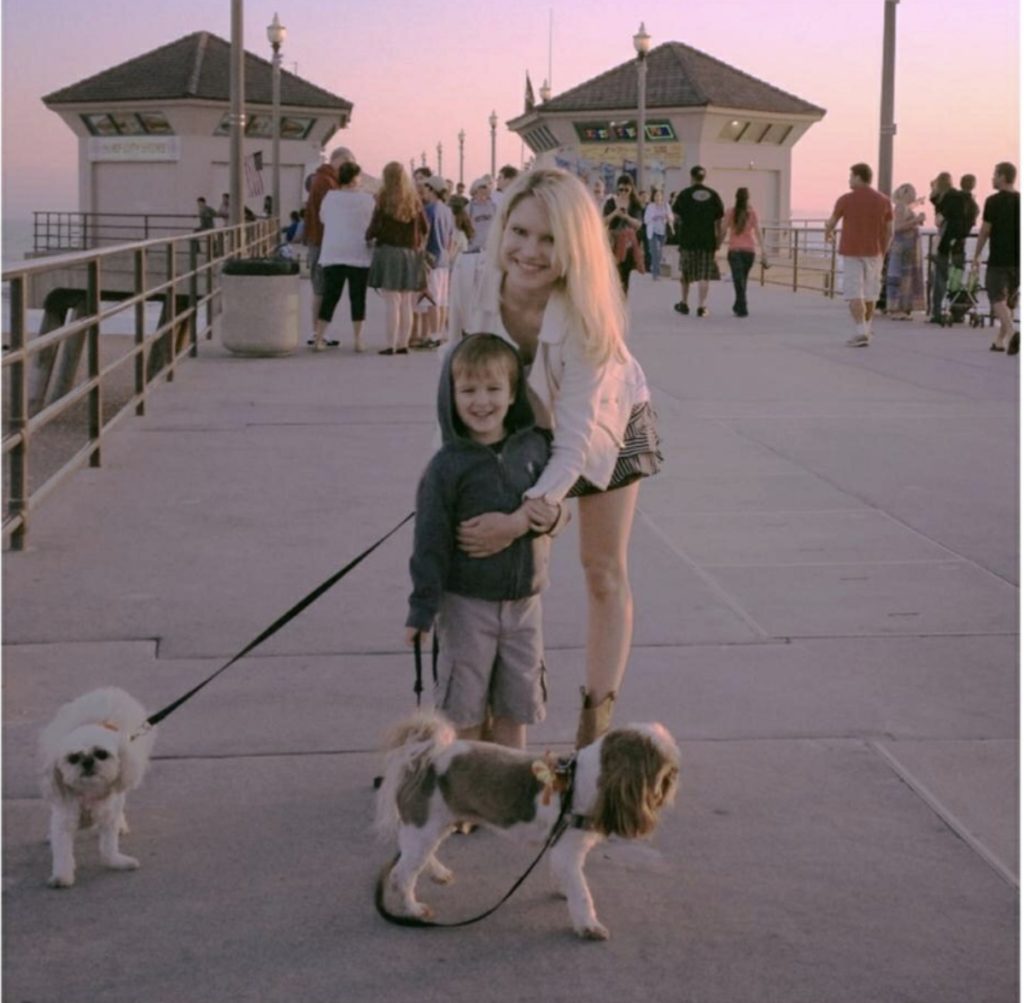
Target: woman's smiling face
{"type": "Point", "coordinates": [527, 252]}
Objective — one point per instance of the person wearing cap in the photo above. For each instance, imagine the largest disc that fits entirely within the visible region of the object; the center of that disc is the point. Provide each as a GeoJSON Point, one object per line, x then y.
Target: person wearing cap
{"type": "Point", "coordinates": [324, 180]}
{"type": "Point", "coordinates": [440, 236]}
{"type": "Point", "coordinates": [482, 210]}
{"type": "Point", "coordinates": [699, 215]}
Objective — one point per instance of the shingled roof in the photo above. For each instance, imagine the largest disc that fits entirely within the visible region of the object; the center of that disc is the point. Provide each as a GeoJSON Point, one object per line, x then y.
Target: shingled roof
{"type": "Point", "coordinates": [197, 66]}
{"type": "Point", "coordinates": [679, 76]}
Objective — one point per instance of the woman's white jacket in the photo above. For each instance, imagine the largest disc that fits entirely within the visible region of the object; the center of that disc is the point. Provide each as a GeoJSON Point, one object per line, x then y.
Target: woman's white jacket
{"type": "Point", "coordinates": [585, 404]}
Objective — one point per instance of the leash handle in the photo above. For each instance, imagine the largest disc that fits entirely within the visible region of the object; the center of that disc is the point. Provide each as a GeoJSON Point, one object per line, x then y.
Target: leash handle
{"type": "Point", "coordinates": [280, 622]}
{"type": "Point", "coordinates": [417, 654]}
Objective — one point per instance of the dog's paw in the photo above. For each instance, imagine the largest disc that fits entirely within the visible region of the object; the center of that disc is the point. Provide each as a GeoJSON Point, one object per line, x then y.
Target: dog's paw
{"type": "Point", "coordinates": [593, 931]}
{"type": "Point", "coordinates": [121, 862]}
{"type": "Point", "coordinates": [422, 911]}
{"type": "Point", "coordinates": [61, 880]}
{"type": "Point", "coordinates": [441, 875]}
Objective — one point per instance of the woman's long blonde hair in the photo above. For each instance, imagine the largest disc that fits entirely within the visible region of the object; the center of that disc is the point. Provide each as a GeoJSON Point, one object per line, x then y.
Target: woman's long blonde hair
{"type": "Point", "coordinates": [582, 256]}
{"type": "Point", "coordinates": [396, 196]}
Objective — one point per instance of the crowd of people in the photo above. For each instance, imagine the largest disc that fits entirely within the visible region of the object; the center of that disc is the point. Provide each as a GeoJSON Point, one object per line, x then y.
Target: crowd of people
{"type": "Point", "coordinates": [881, 234]}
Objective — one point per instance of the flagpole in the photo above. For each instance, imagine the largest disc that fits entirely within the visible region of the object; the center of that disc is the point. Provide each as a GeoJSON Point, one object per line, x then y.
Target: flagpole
{"type": "Point", "coordinates": [551, 32]}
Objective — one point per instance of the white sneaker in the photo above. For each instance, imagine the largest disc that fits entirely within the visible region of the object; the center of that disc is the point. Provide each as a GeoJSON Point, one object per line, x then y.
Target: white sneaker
{"type": "Point", "coordinates": [859, 341]}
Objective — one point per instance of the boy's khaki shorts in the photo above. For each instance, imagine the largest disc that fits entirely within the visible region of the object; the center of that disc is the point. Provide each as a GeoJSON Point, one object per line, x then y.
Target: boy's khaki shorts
{"type": "Point", "coordinates": [491, 655]}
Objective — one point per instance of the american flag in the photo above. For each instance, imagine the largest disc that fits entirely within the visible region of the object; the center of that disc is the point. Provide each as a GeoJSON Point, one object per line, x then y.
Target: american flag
{"type": "Point", "coordinates": [254, 175]}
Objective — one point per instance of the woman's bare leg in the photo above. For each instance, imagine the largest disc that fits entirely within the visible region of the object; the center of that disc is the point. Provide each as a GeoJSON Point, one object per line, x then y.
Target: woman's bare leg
{"type": "Point", "coordinates": [392, 303]}
{"type": "Point", "coordinates": [405, 320]}
{"type": "Point", "coordinates": [606, 521]}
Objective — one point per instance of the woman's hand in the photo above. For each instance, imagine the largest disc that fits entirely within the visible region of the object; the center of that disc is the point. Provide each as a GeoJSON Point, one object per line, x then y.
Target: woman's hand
{"type": "Point", "coordinates": [542, 516]}
{"type": "Point", "coordinates": [490, 533]}
{"type": "Point", "coordinates": [411, 633]}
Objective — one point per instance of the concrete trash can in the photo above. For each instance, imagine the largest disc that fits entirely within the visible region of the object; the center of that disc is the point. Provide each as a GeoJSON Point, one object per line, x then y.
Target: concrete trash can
{"type": "Point", "coordinates": [260, 301]}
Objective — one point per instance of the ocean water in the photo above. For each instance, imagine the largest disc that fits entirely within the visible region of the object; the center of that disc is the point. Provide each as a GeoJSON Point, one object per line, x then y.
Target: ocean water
{"type": "Point", "coordinates": [17, 239]}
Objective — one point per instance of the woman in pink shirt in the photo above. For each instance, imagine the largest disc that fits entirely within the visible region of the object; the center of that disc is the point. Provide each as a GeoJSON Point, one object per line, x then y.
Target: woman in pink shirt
{"type": "Point", "coordinates": [742, 230]}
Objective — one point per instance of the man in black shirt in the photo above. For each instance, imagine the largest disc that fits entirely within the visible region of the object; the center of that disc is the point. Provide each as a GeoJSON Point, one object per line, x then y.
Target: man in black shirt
{"type": "Point", "coordinates": [951, 219]}
{"type": "Point", "coordinates": [1000, 229]}
{"type": "Point", "coordinates": [699, 212]}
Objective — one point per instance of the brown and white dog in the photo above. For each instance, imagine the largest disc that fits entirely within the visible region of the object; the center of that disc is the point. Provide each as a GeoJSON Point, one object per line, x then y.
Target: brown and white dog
{"type": "Point", "coordinates": [433, 782]}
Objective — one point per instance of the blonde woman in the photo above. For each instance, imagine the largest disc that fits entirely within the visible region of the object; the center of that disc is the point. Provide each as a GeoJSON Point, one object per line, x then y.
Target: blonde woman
{"type": "Point", "coordinates": [904, 277]}
{"type": "Point", "coordinates": [549, 285]}
{"type": "Point", "coordinates": [397, 270]}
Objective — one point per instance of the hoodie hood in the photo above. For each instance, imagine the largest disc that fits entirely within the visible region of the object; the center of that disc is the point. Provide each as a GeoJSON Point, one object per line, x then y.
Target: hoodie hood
{"type": "Point", "coordinates": [520, 413]}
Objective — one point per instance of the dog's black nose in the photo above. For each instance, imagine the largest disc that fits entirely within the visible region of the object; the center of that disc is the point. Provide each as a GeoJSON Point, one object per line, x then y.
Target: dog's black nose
{"type": "Point", "coordinates": [87, 763]}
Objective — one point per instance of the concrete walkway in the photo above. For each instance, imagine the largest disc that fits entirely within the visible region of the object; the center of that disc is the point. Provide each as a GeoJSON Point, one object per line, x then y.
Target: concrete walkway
{"type": "Point", "coordinates": [827, 619]}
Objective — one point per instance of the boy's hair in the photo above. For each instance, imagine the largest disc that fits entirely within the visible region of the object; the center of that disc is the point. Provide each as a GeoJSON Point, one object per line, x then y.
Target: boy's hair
{"type": "Point", "coordinates": [863, 172]}
{"type": "Point", "coordinates": [479, 352]}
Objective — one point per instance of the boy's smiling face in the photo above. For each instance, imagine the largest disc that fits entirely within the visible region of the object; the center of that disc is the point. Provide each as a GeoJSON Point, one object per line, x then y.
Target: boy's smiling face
{"type": "Point", "coordinates": [482, 399]}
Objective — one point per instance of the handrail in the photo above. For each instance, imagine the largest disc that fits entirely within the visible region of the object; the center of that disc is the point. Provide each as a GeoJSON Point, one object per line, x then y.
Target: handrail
{"type": "Point", "coordinates": [54, 229]}
{"type": "Point", "coordinates": [182, 272]}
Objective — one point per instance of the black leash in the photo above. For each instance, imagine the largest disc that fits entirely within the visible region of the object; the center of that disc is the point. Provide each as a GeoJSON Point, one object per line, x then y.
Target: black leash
{"type": "Point", "coordinates": [418, 655]}
{"type": "Point", "coordinates": [285, 618]}
{"type": "Point", "coordinates": [562, 823]}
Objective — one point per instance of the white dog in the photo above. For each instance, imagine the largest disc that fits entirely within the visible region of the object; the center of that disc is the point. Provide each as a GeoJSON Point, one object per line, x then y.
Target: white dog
{"type": "Point", "coordinates": [432, 782]}
{"type": "Point", "coordinates": [90, 761]}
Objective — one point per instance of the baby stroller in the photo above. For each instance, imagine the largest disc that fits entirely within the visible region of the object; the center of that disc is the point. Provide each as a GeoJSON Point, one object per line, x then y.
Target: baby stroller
{"type": "Point", "coordinates": [962, 298]}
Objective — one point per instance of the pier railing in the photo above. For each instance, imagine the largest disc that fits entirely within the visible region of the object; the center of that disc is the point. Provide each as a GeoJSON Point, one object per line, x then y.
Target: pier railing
{"type": "Point", "coordinates": [60, 232]}
{"type": "Point", "coordinates": [134, 311]}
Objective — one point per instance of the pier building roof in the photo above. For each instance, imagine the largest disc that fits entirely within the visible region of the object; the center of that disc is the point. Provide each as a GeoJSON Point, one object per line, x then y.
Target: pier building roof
{"type": "Point", "coordinates": [195, 67]}
{"type": "Point", "coordinates": [679, 76]}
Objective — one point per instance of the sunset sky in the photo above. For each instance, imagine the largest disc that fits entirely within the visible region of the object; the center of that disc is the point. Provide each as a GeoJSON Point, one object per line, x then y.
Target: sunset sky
{"type": "Point", "coordinates": [419, 71]}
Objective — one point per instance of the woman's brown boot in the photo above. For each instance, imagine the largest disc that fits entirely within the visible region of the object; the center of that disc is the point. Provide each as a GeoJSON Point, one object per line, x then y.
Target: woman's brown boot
{"type": "Point", "coordinates": [595, 719]}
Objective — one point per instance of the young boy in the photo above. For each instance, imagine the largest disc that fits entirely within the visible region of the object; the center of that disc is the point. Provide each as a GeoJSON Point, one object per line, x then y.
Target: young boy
{"type": "Point", "coordinates": [487, 610]}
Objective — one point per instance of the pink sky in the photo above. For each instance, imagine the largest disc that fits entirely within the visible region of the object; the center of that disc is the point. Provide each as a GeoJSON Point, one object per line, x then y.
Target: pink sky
{"type": "Point", "coordinates": [419, 71]}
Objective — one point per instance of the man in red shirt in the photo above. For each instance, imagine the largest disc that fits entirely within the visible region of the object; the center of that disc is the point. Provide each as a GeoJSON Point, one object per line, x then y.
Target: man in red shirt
{"type": "Point", "coordinates": [865, 237]}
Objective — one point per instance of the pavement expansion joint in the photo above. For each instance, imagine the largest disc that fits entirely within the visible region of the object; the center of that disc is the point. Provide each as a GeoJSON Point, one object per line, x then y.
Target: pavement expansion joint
{"type": "Point", "coordinates": [958, 827]}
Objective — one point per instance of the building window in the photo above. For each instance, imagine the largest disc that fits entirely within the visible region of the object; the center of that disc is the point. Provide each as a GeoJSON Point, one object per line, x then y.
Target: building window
{"type": "Point", "coordinates": [128, 123]}
{"type": "Point", "coordinates": [734, 130]}
{"type": "Point", "coordinates": [540, 139]}
{"type": "Point", "coordinates": [777, 133]}
{"type": "Point", "coordinates": [261, 126]}
{"type": "Point", "coordinates": [656, 131]}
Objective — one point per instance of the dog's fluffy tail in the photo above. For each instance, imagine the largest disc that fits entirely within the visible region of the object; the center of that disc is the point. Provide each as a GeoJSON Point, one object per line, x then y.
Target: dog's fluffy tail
{"type": "Point", "coordinates": [409, 746]}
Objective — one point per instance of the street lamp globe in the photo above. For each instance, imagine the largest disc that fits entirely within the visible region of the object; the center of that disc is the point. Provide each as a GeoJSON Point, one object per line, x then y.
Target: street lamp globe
{"type": "Point", "coordinates": [276, 33]}
{"type": "Point", "coordinates": [642, 41]}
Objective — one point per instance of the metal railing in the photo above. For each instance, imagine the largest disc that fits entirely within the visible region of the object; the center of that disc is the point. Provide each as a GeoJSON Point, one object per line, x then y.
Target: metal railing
{"type": "Point", "coordinates": [48, 404]}
{"type": "Point", "coordinates": [61, 232]}
{"type": "Point", "coordinates": [799, 257]}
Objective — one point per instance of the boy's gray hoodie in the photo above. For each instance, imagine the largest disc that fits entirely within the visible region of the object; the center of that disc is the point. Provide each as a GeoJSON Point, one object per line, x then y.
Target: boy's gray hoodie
{"type": "Point", "coordinates": [465, 479]}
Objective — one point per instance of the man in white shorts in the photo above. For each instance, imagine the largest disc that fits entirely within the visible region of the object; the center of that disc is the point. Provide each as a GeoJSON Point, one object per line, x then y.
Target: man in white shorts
{"type": "Point", "coordinates": [865, 237]}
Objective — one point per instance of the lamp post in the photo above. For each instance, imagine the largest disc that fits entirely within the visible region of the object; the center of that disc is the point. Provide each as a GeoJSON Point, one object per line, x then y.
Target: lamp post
{"type": "Point", "coordinates": [412, 166]}
{"type": "Point", "coordinates": [493, 120]}
{"type": "Point", "coordinates": [237, 90]}
{"type": "Point", "coordinates": [887, 127]}
{"type": "Point", "coordinates": [462, 144]}
{"type": "Point", "coordinates": [440, 171]}
{"type": "Point", "coordinates": [642, 44]}
{"type": "Point", "coordinates": [276, 34]}
{"type": "Point", "coordinates": [423, 159]}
